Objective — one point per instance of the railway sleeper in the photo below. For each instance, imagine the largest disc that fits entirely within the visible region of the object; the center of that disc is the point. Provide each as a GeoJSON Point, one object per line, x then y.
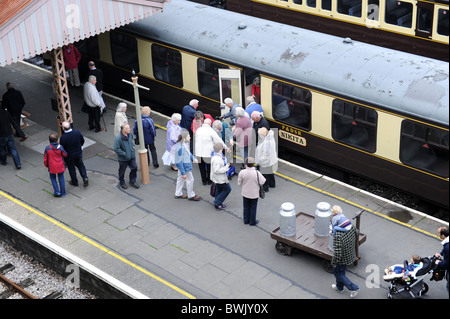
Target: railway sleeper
{"type": "Point", "coordinates": [6, 268]}
{"type": "Point", "coordinates": [11, 291]}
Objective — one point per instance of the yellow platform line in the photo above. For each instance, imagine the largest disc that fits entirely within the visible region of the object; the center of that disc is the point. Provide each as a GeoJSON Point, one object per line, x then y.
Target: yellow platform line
{"type": "Point", "coordinates": [93, 243]}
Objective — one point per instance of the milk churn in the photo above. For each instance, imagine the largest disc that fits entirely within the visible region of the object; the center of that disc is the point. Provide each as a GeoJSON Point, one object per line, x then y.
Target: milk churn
{"type": "Point", "coordinates": [287, 219]}
{"type": "Point", "coordinates": [322, 219]}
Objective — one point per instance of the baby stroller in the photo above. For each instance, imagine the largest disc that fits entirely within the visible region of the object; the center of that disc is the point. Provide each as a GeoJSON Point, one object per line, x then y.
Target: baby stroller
{"type": "Point", "coordinates": [408, 285]}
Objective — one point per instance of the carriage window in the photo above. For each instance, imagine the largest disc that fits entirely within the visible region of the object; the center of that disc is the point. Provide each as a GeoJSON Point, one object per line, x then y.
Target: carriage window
{"type": "Point", "coordinates": [425, 147]}
{"type": "Point", "coordinates": [89, 47]}
{"type": "Point", "coordinates": [326, 5]}
{"type": "Point", "coordinates": [442, 22]}
{"type": "Point", "coordinates": [354, 125]}
{"type": "Point", "coordinates": [424, 19]}
{"type": "Point", "coordinates": [399, 13]}
{"type": "Point", "coordinates": [373, 8]}
{"type": "Point", "coordinates": [350, 7]}
{"type": "Point", "coordinates": [208, 78]}
{"type": "Point", "coordinates": [124, 51]}
{"type": "Point", "coordinates": [291, 105]}
{"type": "Point", "coordinates": [167, 65]}
{"type": "Point", "coordinates": [311, 3]}
{"type": "Point", "coordinates": [298, 1]}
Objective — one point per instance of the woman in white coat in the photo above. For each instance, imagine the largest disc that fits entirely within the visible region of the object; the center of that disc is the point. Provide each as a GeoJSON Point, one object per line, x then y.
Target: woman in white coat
{"type": "Point", "coordinates": [266, 156]}
{"type": "Point", "coordinates": [120, 117]}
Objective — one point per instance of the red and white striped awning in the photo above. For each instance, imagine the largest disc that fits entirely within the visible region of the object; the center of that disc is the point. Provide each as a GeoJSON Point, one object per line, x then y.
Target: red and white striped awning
{"type": "Point", "coordinates": [31, 27]}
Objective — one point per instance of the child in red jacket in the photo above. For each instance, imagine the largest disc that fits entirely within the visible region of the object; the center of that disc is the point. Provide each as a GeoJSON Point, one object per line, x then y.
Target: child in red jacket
{"type": "Point", "coordinates": [54, 155]}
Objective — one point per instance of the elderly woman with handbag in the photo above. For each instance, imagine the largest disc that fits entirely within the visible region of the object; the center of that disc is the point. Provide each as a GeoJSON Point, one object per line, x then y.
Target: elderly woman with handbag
{"type": "Point", "coordinates": [251, 181]}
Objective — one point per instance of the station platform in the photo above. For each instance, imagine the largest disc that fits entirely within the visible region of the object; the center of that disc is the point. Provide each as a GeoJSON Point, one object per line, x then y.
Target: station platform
{"type": "Point", "coordinates": [169, 248]}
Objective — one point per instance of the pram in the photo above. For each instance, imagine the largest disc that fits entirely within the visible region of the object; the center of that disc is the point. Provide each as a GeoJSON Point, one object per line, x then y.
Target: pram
{"type": "Point", "coordinates": [410, 285]}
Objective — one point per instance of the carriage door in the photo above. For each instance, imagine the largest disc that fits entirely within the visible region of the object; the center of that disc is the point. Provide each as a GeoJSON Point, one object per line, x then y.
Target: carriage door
{"type": "Point", "coordinates": [424, 23]}
{"type": "Point", "coordinates": [230, 86]}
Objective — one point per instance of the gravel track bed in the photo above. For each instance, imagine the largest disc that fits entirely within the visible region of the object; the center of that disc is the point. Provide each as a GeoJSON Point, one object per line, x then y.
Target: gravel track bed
{"type": "Point", "coordinates": [45, 280]}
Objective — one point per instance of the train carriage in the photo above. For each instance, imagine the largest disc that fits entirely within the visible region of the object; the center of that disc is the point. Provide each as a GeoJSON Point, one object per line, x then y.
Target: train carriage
{"type": "Point", "coordinates": [416, 26]}
{"type": "Point", "coordinates": [364, 109]}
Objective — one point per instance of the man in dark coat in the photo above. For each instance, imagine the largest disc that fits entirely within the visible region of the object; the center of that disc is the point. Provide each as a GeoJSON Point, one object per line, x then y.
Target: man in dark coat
{"type": "Point", "coordinates": [258, 122]}
{"type": "Point", "coordinates": [187, 116]}
{"type": "Point", "coordinates": [14, 102]}
{"type": "Point", "coordinates": [7, 140]}
{"type": "Point", "coordinates": [72, 141]}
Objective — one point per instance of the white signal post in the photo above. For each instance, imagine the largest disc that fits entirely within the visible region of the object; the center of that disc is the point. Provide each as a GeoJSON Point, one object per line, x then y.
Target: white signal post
{"type": "Point", "coordinates": [142, 150]}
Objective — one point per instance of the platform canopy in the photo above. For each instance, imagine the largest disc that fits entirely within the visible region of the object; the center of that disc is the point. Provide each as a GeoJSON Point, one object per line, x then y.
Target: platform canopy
{"type": "Point", "coordinates": [32, 27]}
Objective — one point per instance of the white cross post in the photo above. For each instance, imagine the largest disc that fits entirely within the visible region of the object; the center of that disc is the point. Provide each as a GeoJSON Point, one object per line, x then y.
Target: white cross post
{"type": "Point", "coordinates": [142, 150]}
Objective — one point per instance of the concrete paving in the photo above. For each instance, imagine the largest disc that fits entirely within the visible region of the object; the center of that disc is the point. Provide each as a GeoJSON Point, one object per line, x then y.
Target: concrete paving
{"type": "Point", "coordinates": [179, 249]}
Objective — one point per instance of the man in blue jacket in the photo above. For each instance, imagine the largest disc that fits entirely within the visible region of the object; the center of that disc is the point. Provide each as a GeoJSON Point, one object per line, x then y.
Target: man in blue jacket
{"type": "Point", "coordinates": [444, 254]}
{"type": "Point", "coordinates": [125, 150]}
{"type": "Point", "coordinates": [72, 141]}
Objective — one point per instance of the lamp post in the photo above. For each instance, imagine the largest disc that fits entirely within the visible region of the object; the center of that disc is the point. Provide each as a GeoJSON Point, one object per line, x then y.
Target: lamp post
{"type": "Point", "coordinates": [142, 150]}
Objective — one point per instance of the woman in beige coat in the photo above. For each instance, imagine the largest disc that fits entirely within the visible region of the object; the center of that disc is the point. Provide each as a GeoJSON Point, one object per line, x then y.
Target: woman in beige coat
{"type": "Point", "coordinates": [250, 179]}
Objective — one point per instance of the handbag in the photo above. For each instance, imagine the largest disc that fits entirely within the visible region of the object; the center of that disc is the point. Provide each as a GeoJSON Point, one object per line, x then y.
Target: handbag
{"type": "Point", "coordinates": [262, 192]}
{"type": "Point", "coordinates": [212, 190]}
{"type": "Point", "coordinates": [84, 108]}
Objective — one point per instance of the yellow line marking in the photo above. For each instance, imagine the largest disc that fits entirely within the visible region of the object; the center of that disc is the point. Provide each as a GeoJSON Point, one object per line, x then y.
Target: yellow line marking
{"type": "Point", "coordinates": [55, 222]}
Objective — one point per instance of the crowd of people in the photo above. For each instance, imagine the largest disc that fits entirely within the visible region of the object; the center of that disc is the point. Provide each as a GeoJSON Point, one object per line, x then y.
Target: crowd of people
{"type": "Point", "coordinates": [194, 137]}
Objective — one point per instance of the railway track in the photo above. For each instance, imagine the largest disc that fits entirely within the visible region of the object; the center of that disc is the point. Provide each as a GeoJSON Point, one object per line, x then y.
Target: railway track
{"type": "Point", "coordinates": [21, 277]}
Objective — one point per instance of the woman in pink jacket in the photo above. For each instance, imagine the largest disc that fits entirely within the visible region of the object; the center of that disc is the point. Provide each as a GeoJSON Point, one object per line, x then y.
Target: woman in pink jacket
{"type": "Point", "coordinates": [250, 179]}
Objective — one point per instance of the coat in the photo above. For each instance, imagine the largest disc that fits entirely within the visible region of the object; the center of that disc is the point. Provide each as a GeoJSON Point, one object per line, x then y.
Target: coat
{"type": "Point", "coordinates": [173, 131]}
{"type": "Point", "coordinates": [72, 142]}
{"type": "Point", "coordinates": [218, 169]}
{"type": "Point", "coordinates": [124, 147]}
{"type": "Point", "coordinates": [13, 101]}
{"type": "Point", "coordinates": [149, 129]}
{"type": "Point", "coordinates": [54, 155]}
{"type": "Point", "coordinates": [72, 58]}
{"type": "Point", "coordinates": [266, 151]}
{"type": "Point", "coordinates": [243, 131]}
{"type": "Point", "coordinates": [119, 118]}
{"type": "Point", "coordinates": [204, 141]}
{"type": "Point", "coordinates": [183, 158]}
{"type": "Point", "coordinates": [248, 179]}
{"type": "Point", "coordinates": [187, 116]}
{"type": "Point", "coordinates": [91, 95]}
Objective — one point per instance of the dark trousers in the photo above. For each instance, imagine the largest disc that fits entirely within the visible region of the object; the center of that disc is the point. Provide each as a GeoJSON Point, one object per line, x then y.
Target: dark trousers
{"type": "Point", "coordinates": [222, 191]}
{"type": "Point", "coordinates": [270, 181]}
{"type": "Point", "coordinates": [152, 150]}
{"type": "Point", "coordinates": [94, 118]}
{"type": "Point", "coordinates": [15, 122]}
{"type": "Point", "coordinates": [205, 169]}
{"type": "Point", "coordinates": [250, 205]}
{"type": "Point", "coordinates": [133, 170]}
{"type": "Point", "coordinates": [77, 162]}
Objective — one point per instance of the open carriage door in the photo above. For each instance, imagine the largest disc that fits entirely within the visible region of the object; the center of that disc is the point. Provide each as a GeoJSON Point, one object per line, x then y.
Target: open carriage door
{"type": "Point", "coordinates": [230, 86]}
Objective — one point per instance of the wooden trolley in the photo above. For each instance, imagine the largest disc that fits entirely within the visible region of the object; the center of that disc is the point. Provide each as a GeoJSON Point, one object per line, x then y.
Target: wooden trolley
{"type": "Point", "coordinates": [306, 240]}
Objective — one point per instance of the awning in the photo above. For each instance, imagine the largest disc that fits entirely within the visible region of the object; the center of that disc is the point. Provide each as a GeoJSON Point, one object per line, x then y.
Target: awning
{"type": "Point", "coordinates": [31, 27]}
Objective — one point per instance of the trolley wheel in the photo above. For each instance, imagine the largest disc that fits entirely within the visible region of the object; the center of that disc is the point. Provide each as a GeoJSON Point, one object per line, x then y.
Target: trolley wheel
{"type": "Point", "coordinates": [424, 289]}
{"type": "Point", "coordinates": [283, 249]}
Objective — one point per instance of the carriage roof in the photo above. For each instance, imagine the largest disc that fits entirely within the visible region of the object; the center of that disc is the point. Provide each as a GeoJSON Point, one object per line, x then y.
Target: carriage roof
{"type": "Point", "coordinates": [415, 85]}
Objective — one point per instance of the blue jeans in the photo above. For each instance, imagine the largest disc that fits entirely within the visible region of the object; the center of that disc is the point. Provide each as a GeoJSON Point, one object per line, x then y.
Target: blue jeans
{"type": "Point", "coordinates": [8, 143]}
{"type": "Point", "coordinates": [341, 280]}
{"type": "Point", "coordinates": [222, 191]}
{"type": "Point", "coordinates": [62, 185]}
{"type": "Point", "coordinates": [250, 205]}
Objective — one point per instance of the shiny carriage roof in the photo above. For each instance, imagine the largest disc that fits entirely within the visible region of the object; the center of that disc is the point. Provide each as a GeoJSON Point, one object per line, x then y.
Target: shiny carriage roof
{"type": "Point", "coordinates": [414, 85]}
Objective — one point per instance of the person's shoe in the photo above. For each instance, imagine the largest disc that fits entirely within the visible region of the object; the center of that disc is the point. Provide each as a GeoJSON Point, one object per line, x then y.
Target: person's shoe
{"type": "Point", "coordinates": [196, 198]}
{"type": "Point", "coordinates": [91, 128]}
{"type": "Point", "coordinates": [86, 182]}
{"type": "Point", "coordinates": [353, 293]}
{"type": "Point", "coordinates": [181, 196]}
{"type": "Point", "coordinates": [124, 186]}
{"type": "Point", "coordinates": [220, 207]}
{"type": "Point", "coordinates": [156, 165]}
{"type": "Point", "coordinates": [134, 185]}
{"type": "Point", "coordinates": [224, 206]}
{"type": "Point", "coordinates": [57, 194]}
{"type": "Point", "coordinates": [18, 167]}
{"type": "Point", "coordinates": [336, 288]}
{"type": "Point", "coordinates": [23, 138]}
{"type": "Point", "coordinates": [256, 223]}
{"type": "Point", "coordinates": [101, 129]}
{"type": "Point", "coordinates": [72, 183]}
